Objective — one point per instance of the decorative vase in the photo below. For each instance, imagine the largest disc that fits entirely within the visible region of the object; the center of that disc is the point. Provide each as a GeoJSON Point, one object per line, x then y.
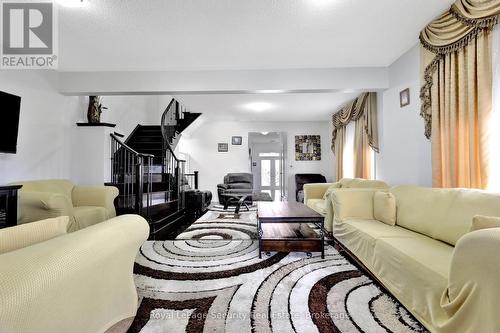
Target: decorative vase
{"type": "Point", "coordinates": [94, 111]}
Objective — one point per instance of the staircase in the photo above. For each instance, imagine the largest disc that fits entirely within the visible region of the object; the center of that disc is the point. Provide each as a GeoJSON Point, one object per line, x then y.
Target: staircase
{"type": "Point", "coordinates": [147, 172]}
{"type": "Point", "coordinates": [174, 121]}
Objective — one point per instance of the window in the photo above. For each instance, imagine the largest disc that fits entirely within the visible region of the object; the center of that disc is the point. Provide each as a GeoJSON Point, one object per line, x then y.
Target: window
{"type": "Point", "coordinates": [348, 162]}
{"type": "Point", "coordinates": [269, 154]}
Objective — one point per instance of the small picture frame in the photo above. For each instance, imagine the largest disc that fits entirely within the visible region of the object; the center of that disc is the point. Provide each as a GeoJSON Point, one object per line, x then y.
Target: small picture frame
{"type": "Point", "coordinates": [404, 98]}
{"type": "Point", "coordinates": [222, 147]}
{"type": "Point", "coordinates": [236, 140]}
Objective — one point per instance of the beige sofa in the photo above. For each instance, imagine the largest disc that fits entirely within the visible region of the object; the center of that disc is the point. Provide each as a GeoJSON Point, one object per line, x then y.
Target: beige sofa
{"type": "Point", "coordinates": [81, 282]}
{"type": "Point", "coordinates": [85, 205]}
{"type": "Point", "coordinates": [446, 276]}
{"type": "Point", "coordinates": [316, 196]}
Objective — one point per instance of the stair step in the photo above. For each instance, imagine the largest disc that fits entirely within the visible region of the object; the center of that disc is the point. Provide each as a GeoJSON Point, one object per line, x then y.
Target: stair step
{"type": "Point", "coordinates": [162, 210]}
{"type": "Point", "coordinates": [157, 200]}
{"type": "Point", "coordinates": [126, 188]}
{"type": "Point", "coordinates": [146, 138]}
{"type": "Point", "coordinates": [146, 144]}
{"type": "Point", "coordinates": [143, 130]}
{"type": "Point", "coordinates": [159, 229]}
{"type": "Point", "coordinates": [150, 151]}
{"type": "Point", "coordinates": [150, 126]}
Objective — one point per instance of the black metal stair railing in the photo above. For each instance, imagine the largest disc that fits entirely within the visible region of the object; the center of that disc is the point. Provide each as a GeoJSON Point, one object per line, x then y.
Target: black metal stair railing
{"type": "Point", "coordinates": [174, 168]}
{"type": "Point", "coordinates": [131, 172]}
{"type": "Point", "coordinates": [192, 180]}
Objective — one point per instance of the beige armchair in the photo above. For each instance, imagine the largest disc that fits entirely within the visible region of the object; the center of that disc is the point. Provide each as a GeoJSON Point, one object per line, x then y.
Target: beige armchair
{"type": "Point", "coordinates": [85, 205]}
{"type": "Point", "coordinates": [81, 282]}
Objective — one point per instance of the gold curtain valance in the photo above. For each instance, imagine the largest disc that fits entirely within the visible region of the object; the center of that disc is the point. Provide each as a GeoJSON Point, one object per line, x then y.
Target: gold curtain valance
{"type": "Point", "coordinates": [363, 106]}
{"type": "Point", "coordinates": [451, 32]}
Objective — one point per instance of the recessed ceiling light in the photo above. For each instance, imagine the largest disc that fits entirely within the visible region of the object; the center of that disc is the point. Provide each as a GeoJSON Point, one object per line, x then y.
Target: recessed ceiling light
{"type": "Point", "coordinates": [270, 91]}
{"type": "Point", "coordinates": [259, 106]}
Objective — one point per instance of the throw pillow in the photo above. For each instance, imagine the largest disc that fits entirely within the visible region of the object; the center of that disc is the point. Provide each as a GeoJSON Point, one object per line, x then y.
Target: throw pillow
{"type": "Point", "coordinates": [484, 222]}
{"type": "Point", "coordinates": [331, 188]}
{"type": "Point", "coordinates": [384, 207]}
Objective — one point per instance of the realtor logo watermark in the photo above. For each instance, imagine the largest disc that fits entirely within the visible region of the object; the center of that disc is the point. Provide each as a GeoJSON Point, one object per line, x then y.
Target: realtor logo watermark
{"type": "Point", "coordinates": [29, 38]}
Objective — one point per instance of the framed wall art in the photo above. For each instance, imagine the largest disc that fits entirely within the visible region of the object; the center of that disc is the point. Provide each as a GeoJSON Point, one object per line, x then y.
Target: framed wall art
{"type": "Point", "coordinates": [236, 140]}
{"type": "Point", "coordinates": [222, 147]}
{"type": "Point", "coordinates": [404, 98]}
{"type": "Point", "coordinates": [307, 148]}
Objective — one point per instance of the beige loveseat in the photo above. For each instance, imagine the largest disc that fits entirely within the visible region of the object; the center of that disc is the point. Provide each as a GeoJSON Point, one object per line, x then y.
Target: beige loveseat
{"type": "Point", "coordinates": [85, 205]}
{"type": "Point", "coordinates": [317, 196]}
{"type": "Point", "coordinates": [81, 282]}
{"type": "Point", "coordinates": [445, 275]}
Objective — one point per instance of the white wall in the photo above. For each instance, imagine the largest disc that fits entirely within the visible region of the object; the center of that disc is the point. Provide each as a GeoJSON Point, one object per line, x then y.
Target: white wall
{"type": "Point", "coordinates": [126, 111]}
{"type": "Point", "coordinates": [50, 145]}
{"type": "Point", "coordinates": [44, 141]}
{"type": "Point", "coordinates": [91, 145]}
{"type": "Point", "coordinates": [47, 139]}
{"type": "Point", "coordinates": [200, 142]}
{"type": "Point", "coordinates": [405, 153]}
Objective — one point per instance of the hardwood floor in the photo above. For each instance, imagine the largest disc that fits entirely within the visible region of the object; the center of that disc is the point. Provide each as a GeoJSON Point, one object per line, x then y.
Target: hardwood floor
{"type": "Point", "coordinates": [171, 232]}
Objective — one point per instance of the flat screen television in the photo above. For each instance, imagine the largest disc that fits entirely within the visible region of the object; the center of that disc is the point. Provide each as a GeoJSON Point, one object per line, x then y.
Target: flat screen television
{"type": "Point", "coordinates": [9, 122]}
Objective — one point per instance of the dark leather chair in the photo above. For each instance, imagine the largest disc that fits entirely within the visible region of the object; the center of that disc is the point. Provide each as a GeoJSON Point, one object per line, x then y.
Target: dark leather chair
{"type": "Point", "coordinates": [240, 183]}
{"type": "Point", "coordinates": [306, 178]}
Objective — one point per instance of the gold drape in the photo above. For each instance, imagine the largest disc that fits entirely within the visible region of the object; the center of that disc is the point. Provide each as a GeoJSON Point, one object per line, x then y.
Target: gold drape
{"type": "Point", "coordinates": [461, 109]}
{"type": "Point", "coordinates": [354, 110]}
{"type": "Point", "coordinates": [363, 111]}
{"type": "Point", "coordinates": [456, 92]}
{"type": "Point", "coordinates": [338, 147]}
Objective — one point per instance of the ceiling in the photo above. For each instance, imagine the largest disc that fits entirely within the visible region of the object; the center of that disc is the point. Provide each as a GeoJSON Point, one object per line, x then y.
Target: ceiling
{"type": "Point", "coordinates": [176, 35]}
{"type": "Point", "coordinates": [117, 35]}
{"type": "Point", "coordinates": [281, 107]}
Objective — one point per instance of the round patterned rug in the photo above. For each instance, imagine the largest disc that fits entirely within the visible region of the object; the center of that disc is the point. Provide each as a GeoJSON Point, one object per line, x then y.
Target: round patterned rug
{"type": "Point", "coordinates": [213, 281]}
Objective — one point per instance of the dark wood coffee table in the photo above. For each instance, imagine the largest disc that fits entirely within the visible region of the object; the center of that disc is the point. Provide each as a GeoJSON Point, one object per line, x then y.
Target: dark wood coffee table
{"type": "Point", "coordinates": [282, 227]}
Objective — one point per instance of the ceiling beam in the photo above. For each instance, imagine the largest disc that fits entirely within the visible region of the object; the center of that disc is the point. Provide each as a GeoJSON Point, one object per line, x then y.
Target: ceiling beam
{"type": "Point", "coordinates": [319, 80]}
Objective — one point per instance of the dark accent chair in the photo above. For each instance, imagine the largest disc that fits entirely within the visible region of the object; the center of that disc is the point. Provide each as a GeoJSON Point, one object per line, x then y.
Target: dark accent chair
{"type": "Point", "coordinates": [241, 183]}
{"type": "Point", "coordinates": [197, 202]}
{"type": "Point", "coordinates": [306, 178]}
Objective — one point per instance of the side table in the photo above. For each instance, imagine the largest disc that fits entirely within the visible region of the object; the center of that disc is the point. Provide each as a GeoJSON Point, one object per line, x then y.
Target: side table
{"type": "Point", "coordinates": [8, 205]}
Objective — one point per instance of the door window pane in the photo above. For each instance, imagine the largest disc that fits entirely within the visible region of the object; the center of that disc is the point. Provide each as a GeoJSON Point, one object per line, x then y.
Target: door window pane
{"type": "Point", "coordinates": [277, 176]}
{"type": "Point", "coordinates": [265, 172]}
{"type": "Point", "coordinates": [269, 154]}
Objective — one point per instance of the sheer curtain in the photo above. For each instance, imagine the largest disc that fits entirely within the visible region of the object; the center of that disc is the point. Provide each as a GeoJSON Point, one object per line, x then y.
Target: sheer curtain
{"type": "Point", "coordinates": [494, 126]}
{"type": "Point", "coordinates": [338, 150]}
{"type": "Point", "coordinates": [366, 138]}
{"type": "Point", "coordinates": [348, 160]}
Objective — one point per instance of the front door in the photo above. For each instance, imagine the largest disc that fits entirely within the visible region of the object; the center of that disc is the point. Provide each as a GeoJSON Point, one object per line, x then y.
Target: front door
{"type": "Point", "coordinates": [269, 174]}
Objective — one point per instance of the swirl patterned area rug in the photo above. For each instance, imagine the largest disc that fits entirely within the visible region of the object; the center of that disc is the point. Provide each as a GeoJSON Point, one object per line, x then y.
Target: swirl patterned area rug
{"type": "Point", "coordinates": [211, 280]}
